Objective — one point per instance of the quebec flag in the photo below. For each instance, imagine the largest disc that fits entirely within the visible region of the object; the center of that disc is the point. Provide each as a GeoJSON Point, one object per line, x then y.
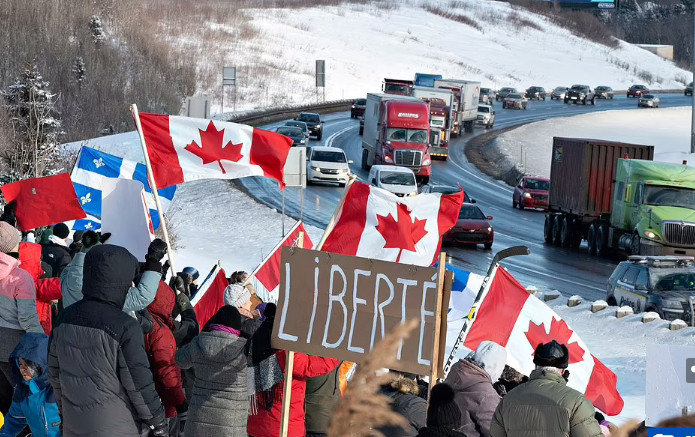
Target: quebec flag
{"type": "Point", "coordinates": [90, 170]}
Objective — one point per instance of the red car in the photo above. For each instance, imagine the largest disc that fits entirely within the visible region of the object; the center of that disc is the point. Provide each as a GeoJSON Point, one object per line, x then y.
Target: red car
{"type": "Point", "coordinates": [472, 227]}
{"type": "Point", "coordinates": [531, 192]}
{"type": "Point", "coordinates": [637, 91]}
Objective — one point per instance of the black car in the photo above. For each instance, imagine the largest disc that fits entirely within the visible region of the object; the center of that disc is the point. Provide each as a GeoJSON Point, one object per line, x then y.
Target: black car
{"type": "Point", "coordinates": [504, 92]}
{"type": "Point", "coordinates": [688, 90]}
{"type": "Point", "coordinates": [662, 284]}
{"type": "Point", "coordinates": [604, 92]}
{"type": "Point", "coordinates": [580, 93]}
{"type": "Point", "coordinates": [293, 132]}
{"type": "Point", "coordinates": [313, 121]}
{"type": "Point", "coordinates": [357, 109]}
{"type": "Point", "coordinates": [445, 189]}
{"type": "Point", "coordinates": [535, 93]}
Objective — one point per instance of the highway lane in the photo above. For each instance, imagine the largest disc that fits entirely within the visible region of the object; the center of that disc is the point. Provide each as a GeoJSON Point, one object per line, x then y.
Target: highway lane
{"type": "Point", "coordinates": [548, 267]}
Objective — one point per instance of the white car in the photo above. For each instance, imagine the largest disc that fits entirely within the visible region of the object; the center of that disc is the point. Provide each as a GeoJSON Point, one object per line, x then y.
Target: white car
{"type": "Point", "coordinates": [327, 164]}
{"type": "Point", "coordinates": [648, 101]}
{"type": "Point", "coordinates": [397, 180]}
{"type": "Point", "coordinates": [486, 116]}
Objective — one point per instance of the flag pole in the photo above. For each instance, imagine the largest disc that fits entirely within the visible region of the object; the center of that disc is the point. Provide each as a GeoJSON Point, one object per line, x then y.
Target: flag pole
{"type": "Point", "coordinates": [272, 252]}
{"type": "Point", "coordinates": [331, 223]}
{"type": "Point", "coordinates": [153, 186]}
{"type": "Point", "coordinates": [437, 322]}
{"type": "Point", "coordinates": [484, 289]}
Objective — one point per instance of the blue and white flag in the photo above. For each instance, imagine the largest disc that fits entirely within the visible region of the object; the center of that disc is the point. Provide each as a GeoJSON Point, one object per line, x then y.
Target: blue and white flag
{"type": "Point", "coordinates": [92, 168]}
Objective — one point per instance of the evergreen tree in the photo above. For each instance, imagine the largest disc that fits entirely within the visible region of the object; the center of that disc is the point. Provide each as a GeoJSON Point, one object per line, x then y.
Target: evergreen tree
{"type": "Point", "coordinates": [30, 107]}
{"type": "Point", "coordinates": [79, 70]}
{"type": "Point", "coordinates": [98, 34]}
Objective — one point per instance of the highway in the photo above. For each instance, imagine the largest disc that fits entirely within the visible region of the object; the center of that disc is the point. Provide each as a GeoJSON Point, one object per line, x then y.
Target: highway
{"type": "Point", "coordinates": [548, 267]}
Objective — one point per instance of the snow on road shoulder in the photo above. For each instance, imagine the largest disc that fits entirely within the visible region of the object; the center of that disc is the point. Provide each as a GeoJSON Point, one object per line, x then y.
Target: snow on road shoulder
{"type": "Point", "coordinates": [667, 129]}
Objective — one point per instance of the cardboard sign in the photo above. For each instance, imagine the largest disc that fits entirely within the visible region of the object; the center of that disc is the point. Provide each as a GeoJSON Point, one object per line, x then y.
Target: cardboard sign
{"type": "Point", "coordinates": [340, 306]}
{"type": "Point", "coordinates": [670, 382]}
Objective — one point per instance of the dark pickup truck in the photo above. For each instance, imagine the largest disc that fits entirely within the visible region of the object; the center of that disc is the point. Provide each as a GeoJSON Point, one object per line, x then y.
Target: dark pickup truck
{"type": "Point", "coordinates": [580, 93]}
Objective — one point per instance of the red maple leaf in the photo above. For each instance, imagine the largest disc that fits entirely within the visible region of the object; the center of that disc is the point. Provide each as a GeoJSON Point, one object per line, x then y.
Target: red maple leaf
{"type": "Point", "coordinates": [211, 148]}
{"type": "Point", "coordinates": [403, 233]}
{"type": "Point", "coordinates": [560, 332]}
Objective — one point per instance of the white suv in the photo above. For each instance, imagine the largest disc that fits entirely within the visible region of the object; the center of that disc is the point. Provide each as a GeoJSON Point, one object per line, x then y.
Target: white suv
{"type": "Point", "coordinates": [327, 164]}
{"type": "Point", "coordinates": [486, 116]}
{"type": "Point", "coordinates": [395, 179]}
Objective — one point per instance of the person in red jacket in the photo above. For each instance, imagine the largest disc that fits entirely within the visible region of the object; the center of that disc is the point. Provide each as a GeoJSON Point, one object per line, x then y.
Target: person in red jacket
{"type": "Point", "coordinates": [266, 369]}
{"type": "Point", "coordinates": [47, 289]}
{"type": "Point", "coordinates": [161, 350]}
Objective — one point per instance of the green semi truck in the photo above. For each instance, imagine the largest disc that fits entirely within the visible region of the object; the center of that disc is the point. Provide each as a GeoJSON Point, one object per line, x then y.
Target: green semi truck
{"type": "Point", "coordinates": [616, 198]}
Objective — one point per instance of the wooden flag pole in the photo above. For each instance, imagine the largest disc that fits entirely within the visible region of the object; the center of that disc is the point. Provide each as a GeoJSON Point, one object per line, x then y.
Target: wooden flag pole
{"type": "Point", "coordinates": [289, 368]}
{"type": "Point", "coordinates": [437, 322]}
{"type": "Point", "coordinates": [153, 186]}
{"type": "Point", "coordinates": [338, 208]}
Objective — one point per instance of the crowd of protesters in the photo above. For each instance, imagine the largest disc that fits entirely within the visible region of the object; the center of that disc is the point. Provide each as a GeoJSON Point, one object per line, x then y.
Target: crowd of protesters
{"type": "Point", "coordinates": [128, 357]}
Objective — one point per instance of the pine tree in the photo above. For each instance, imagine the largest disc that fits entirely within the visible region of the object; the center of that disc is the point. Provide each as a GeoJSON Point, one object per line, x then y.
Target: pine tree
{"type": "Point", "coordinates": [30, 107]}
{"type": "Point", "coordinates": [98, 34]}
{"type": "Point", "coordinates": [79, 70]}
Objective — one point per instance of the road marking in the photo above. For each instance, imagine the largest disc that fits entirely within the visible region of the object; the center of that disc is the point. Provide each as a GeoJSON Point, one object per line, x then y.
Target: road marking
{"type": "Point", "coordinates": [329, 141]}
{"type": "Point", "coordinates": [536, 272]}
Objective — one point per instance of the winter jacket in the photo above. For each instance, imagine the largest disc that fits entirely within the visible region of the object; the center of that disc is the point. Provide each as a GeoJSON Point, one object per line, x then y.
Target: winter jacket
{"type": "Point", "coordinates": [475, 396]}
{"type": "Point", "coordinates": [267, 423]}
{"type": "Point", "coordinates": [322, 396]}
{"type": "Point", "coordinates": [439, 431]}
{"type": "Point", "coordinates": [33, 403]}
{"type": "Point", "coordinates": [186, 328]}
{"type": "Point", "coordinates": [219, 405]}
{"type": "Point", "coordinates": [544, 407]}
{"type": "Point", "coordinates": [138, 298]}
{"type": "Point", "coordinates": [56, 254]}
{"type": "Point", "coordinates": [17, 305]}
{"type": "Point", "coordinates": [97, 361]}
{"type": "Point", "coordinates": [409, 405]}
{"type": "Point", "coordinates": [161, 350]}
{"type": "Point", "coordinates": [47, 290]}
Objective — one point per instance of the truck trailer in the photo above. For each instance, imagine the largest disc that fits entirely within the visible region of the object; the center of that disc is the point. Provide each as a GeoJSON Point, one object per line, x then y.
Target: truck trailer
{"type": "Point", "coordinates": [425, 79]}
{"type": "Point", "coordinates": [441, 113]}
{"type": "Point", "coordinates": [396, 132]}
{"type": "Point", "coordinates": [615, 197]}
{"type": "Point", "coordinates": [465, 107]}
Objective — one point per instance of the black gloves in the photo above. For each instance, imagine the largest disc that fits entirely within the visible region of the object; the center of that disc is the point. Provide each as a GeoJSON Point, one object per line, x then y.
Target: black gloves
{"type": "Point", "coordinates": [104, 237]}
{"type": "Point", "coordinates": [180, 409]}
{"type": "Point", "coordinates": [157, 250]}
{"type": "Point", "coordinates": [160, 427]}
{"type": "Point", "coordinates": [183, 302]}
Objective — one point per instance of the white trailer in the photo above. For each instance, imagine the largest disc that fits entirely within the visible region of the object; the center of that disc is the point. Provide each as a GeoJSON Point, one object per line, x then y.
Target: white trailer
{"type": "Point", "coordinates": [466, 94]}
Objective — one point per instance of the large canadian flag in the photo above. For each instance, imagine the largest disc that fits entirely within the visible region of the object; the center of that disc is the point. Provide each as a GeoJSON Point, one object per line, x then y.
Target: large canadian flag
{"type": "Point", "coordinates": [512, 317]}
{"type": "Point", "coordinates": [373, 223]}
{"type": "Point", "coordinates": [268, 273]}
{"type": "Point", "coordinates": [183, 149]}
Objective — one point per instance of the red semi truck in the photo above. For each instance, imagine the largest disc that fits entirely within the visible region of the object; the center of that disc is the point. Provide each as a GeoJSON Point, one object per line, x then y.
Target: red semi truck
{"type": "Point", "coordinates": [396, 132]}
{"type": "Point", "coordinates": [401, 87]}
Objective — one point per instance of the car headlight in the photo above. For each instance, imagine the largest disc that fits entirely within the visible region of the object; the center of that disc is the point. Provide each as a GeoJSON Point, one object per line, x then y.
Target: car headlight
{"type": "Point", "coordinates": [427, 161]}
{"type": "Point", "coordinates": [672, 303]}
{"type": "Point", "coordinates": [527, 195]}
{"type": "Point", "coordinates": [302, 141]}
{"type": "Point", "coordinates": [353, 106]}
{"type": "Point", "coordinates": [652, 235]}
{"type": "Point", "coordinates": [388, 158]}
{"type": "Point", "coordinates": [344, 170]}
{"type": "Point", "coordinates": [489, 228]}
{"type": "Point", "coordinates": [316, 168]}
{"type": "Point", "coordinates": [413, 193]}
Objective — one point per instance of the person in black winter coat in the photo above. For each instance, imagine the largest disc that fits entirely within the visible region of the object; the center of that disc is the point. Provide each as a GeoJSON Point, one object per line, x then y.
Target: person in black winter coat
{"type": "Point", "coordinates": [443, 415]}
{"type": "Point", "coordinates": [56, 253]}
{"type": "Point", "coordinates": [97, 362]}
{"type": "Point", "coordinates": [404, 392]}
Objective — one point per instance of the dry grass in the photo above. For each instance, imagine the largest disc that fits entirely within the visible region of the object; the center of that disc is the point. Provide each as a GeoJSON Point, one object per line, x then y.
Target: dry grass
{"type": "Point", "coordinates": [362, 409]}
{"type": "Point", "coordinates": [459, 18]}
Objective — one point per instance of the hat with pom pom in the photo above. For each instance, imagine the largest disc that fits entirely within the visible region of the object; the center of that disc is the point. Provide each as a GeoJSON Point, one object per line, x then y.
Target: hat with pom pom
{"type": "Point", "coordinates": [443, 411]}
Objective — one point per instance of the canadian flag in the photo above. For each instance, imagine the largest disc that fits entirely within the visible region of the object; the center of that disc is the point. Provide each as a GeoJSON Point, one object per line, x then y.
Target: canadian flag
{"type": "Point", "coordinates": [512, 317]}
{"type": "Point", "coordinates": [184, 149]}
{"type": "Point", "coordinates": [374, 223]}
{"type": "Point", "coordinates": [268, 273]}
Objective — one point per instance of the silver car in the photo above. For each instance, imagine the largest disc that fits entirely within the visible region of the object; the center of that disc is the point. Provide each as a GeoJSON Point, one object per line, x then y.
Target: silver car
{"type": "Point", "coordinates": [648, 101]}
{"type": "Point", "coordinates": [558, 93]}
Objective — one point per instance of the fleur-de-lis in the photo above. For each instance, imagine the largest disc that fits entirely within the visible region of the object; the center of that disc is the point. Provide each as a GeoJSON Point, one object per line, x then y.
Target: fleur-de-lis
{"type": "Point", "coordinates": [86, 198]}
{"type": "Point", "coordinates": [88, 226]}
{"type": "Point", "coordinates": [99, 162]}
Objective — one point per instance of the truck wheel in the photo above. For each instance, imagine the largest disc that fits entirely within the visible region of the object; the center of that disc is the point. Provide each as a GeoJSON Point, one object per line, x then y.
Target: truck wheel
{"type": "Point", "coordinates": [602, 241]}
{"type": "Point", "coordinates": [557, 228]}
{"type": "Point", "coordinates": [548, 229]}
{"type": "Point", "coordinates": [635, 245]}
{"type": "Point", "coordinates": [365, 159]}
{"type": "Point", "coordinates": [565, 233]}
{"type": "Point", "coordinates": [591, 239]}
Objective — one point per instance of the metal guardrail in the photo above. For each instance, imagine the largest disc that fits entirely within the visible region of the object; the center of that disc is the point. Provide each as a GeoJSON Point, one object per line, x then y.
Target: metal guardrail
{"type": "Point", "coordinates": [262, 117]}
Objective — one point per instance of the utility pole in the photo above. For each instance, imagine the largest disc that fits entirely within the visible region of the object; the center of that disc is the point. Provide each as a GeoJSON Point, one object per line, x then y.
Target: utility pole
{"type": "Point", "coordinates": [692, 108]}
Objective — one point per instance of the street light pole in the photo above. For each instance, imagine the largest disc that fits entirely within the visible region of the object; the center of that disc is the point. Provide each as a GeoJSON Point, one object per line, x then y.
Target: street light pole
{"type": "Point", "coordinates": [692, 122]}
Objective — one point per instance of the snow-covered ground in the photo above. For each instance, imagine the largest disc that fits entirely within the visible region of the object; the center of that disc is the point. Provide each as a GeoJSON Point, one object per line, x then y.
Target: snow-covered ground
{"type": "Point", "coordinates": [363, 43]}
{"type": "Point", "coordinates": [667, 129]}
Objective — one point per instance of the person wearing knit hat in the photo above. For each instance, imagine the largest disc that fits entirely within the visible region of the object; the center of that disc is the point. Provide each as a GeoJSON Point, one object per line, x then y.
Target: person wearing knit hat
{"type": "Point", "coordinates": [17, 306]}
{"type": "Point", "coordinates": [239, 297]}
{"type": "Point", "coordinates": [544, 405]}
{"type": "Point", "coordinates": [472, 379]}
{"type": "Point", "coordinates": [443, 415]}
{"type": "Point", "coordinates": [56, 252]}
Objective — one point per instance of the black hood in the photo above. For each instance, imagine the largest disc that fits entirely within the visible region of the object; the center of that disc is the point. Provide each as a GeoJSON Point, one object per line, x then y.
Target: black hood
{"type": "Point", "coordinates": [108, 274]}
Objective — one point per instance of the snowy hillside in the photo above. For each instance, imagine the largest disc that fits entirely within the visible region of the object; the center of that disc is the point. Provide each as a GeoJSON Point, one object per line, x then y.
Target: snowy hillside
{"type": "Point", "coordinates": [362, 44]}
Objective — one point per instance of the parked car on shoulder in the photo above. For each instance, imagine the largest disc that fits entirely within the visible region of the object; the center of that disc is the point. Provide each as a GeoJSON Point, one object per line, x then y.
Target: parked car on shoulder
{"type": "Point", "coordinates": [580, 93]}
{"type": "Point", "coordinates": [486, 116]}
{"type": "Point", "coordinates": [604, 92]}
{"type": "Point", "coordinates": [472, 227]}
{"type": "Point", "coordinates": [300, 124]}
{"type": "Point", "coordinates": [395, 179]}
{"type": "Point", "coordinates": [293, 132]}
{"type": "Point", "coordinates": [535, 93]}
{"type": "Point", "coordinates": [445, 189]}
{"type": "Point", "coordinates": [514, 101]}
{"type": "Point", "coordinates": [662, 284]}
{"type": "Point", "coordinates": [504, 92]}
{"type": "Point", "coordinates": [357, 108]}
{"type": "Point", "coordinates": [314, 122]}
{"type": "Point", "coordinates": [648, 101]}
{"type": "Point", "coordinates": [637, 91]}
{"type": "Point", "coordinates": [327, 164]}
{"type": "Point", "coordinates": [531, 192]}
{"type": "Point", "coordinates": [487, 95]}
{"type": "Point", "coordinates": [688, 90]}
{"type": "Point", "coordinates": [558, 93]}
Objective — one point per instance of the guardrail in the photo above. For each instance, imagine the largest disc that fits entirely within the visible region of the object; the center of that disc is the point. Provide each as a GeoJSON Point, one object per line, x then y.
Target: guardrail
{"type": "Point", "coordinates": [262, 117]}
